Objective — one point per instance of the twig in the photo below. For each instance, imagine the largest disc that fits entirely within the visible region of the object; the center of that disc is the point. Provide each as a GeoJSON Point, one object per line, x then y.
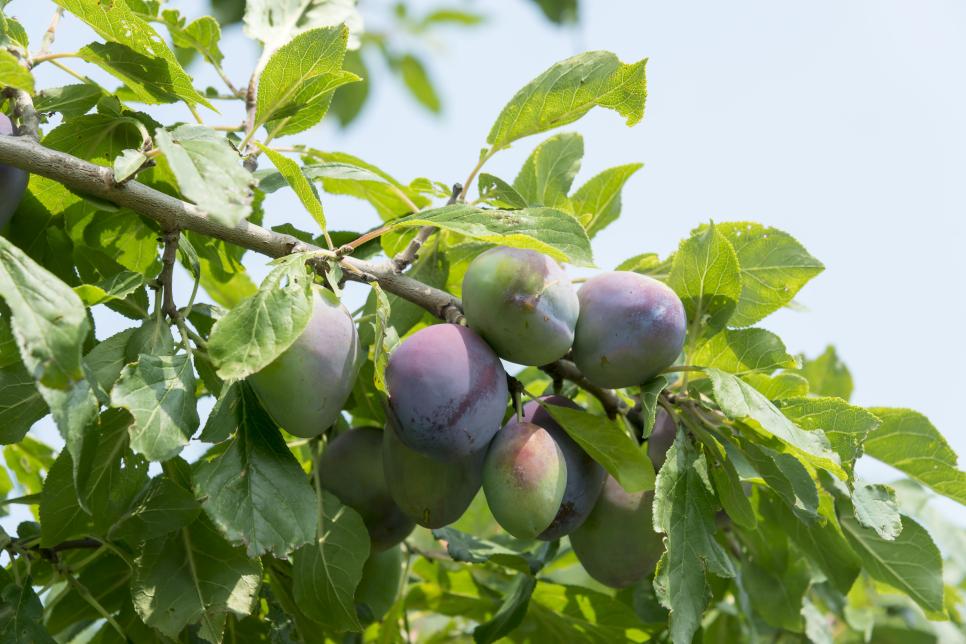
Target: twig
{"type": "Point", "coordinates": [50, 34]}
{"type": "Point", "coordinates": [23, 108]}
{"type": "Point", "coordinates": [165, 278]}
{"type": "Point", "coordinates": [409, 254]}
{"type": "Point", "coordinates": [611, 402]}
{"type": "Point", "coordinates": [51, 553]}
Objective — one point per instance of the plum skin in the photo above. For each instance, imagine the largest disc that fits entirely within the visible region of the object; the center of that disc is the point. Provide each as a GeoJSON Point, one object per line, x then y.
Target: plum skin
{"type": "Point", "coordinates": [379, 585]}
{"type": "Point", "coordinates": [448, 391]}
{"type": "Point", "coordinates": [630, 328]}
{"type": "Point", "coordinates": [432, 492]}
{"type": "Point", "coordinates": [617, 544]}
{"type": "Point", "coordinates": [305, 387]}
{"type": "Point", "coordinates": [522, 303]}
{"type": "Point", "coordinates": [585, 477]}
{"type": "Point", "coordinates": [351, 468]}
{"type": "Point", "coordinates": [524, 479]}
{"type": "Point", "coordinates": [13, 181]}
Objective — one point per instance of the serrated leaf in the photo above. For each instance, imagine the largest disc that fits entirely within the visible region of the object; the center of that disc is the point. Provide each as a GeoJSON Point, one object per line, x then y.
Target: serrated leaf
{"type": "Point", "coordinates": [254, 333]}
{"type": "Point", "coordinates": [740, 351]}
{"type": "Point", "coordinates": [567, 91]}
{"type": "Point", "coordinates": [276, 22]}
{"type": "Point", "coordinates": [684, 512]}
{"type": "Point", "coordinates": [21, 613]}
{"type": "Point", "coordinates": [117, 287]}
{"type": "Point", "coordinates": [779, 386]}
{"type": "Point", "coordinates": [705, 275]}
{"type": "Point", "coordinates": [209, 171]}
{"type": "Point", "coordinates": [326, 572]}
{"type": "Point", "coordinates": [510, 613]}
{"type": "Point", "coordinates": [69, 100]}
{"type": "Point", "coordinates": [202, 35]}
{"type": "Point", "coordinates": [731, 494]}
{"type": "Point", "coordinates": [549, 171]}
{"type": "Point", "coordinates": [467, 548]}
{"type": "Point", "coordinates": [648, 264]}
{"type": "Point", "coordinates": [255, 490]}
{"type": "Point", "coordinates": [875, 507]}
{"type": "Point", "coordinates": [163, 507]}
{"type": "Point", "coordinates": [740, 401]}
{"type": "Point", "coordinates": [827, 375]}
{"type": "Point", "coordinates": [562, 613]}
{"type": "Point", "coordinates": [292, 173]}
{"type": "Point", "coordinates": [547, 230]}
{"type": "Point", "coordinates": [385, 340]}
{"type": "Point", "coordinates": [608, 444]}
{"type": "Point", "coordinates": [499, 193]}
{"type": "Point", "coordinates": [21, 405]}
{"type": "Point", "coordinates": [296, 87]}
{"type": "Point", "coordinates": [785, 475]}
{"type": "Point", "coordinates": [13, 74]}
{"type": "Point", "coordinates": [845, 425]}
{"type": "Point", "coordinates": [159, 391]}
{"type": "Point", "coordinates": [104, 580]}
{"type": "Point", "coordinates": [193, 576]}
{"type": "Point", "coordinates": [135, 44]}
{"type": "Point", "coordinates": [774, 267]}
{"type": "Point", "coordinates": [649, 395]}
{"type": "Point", "coordinates": [907, 441]}
{"type": "Point", "coordinates": [597, 203]}
{"type": "Point", "coordinates": [418, 82]}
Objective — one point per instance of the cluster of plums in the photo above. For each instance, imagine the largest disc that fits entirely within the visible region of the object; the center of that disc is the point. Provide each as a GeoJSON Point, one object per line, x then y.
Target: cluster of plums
{"type": "Point", "coordinates": [13, 181]}
{"type": "Point", "coordinates": [448, 398]}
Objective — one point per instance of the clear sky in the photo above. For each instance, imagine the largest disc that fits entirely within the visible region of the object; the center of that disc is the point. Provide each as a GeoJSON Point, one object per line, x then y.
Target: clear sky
{"type": "Point", "coordinates": [842, 123]}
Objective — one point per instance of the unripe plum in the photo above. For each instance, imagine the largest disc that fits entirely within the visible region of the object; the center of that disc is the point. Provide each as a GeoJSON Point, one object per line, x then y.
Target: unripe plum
{"type": "Point", "coordinates": [522, 303]}
{"type": "Point", "coordinates": [305, 387]}
{"type": "Point", "coordinates": [379, 585]}
{"type": "Point", "coordinates": [617, 544]}
{"type": "Point", "coordinates": [351, 468]}
{"type": "Point", "coordinates": [524, 479]}
{"type": "Point", "coordinates": [585, 477]}
{"type": "Point", "coordinates": [448, 391]}
{"type": "Point", "coordinates": [630, 328]}
{"type": "Point", "coordinates": [13, 181]}
{"type": "Point", "coordinates": [661, 438]}
{"type": "Point", "coordinates": [432, 492]}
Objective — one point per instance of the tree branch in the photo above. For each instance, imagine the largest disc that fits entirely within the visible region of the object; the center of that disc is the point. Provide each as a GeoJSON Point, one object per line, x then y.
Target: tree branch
{"type": "Point", "coordinates": [409, 254]}
{"type": "Point", "coordinates": [166, 277]}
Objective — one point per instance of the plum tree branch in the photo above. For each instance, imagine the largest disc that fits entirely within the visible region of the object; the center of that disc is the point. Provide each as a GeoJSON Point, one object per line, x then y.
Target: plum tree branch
{"type": "Point", "coordinates": [408, 255]}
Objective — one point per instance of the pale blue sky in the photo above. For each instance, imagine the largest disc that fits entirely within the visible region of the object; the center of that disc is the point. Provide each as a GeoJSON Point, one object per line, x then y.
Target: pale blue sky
{"type": "Point", "coordinates": [841, 123]}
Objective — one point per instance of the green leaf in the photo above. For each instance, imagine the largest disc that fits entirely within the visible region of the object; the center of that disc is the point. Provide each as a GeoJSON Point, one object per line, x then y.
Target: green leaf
{"type": "Point", "coordinates": [255, 491]}
{"type": "Point", "coordinates": [254, 333]}
{"type": "Point", "coordinates": [348, 101]}
{"type": "Point", "coordinates": [774, 267]}
{"type": "Point", "coordinates": [137, 48]}
{"type": "Point", "coordinates": [418, 82]}
{"type": "Point", "coordinates": [276, 22]}
{"type": "Point", "coordinates": [907, 441]}
{"type": "Point", "coordinates": [69, 100]}
{"type": "Point", "coordinates": [547, 230]}
{"type": "Point", "coordinates": [597, 203]}
{"type": "Point", "coordinates": [21, 613]}
{"type": "Point", "coordinates": [875, 507]}
{"type": "Point", "coordinates": [608, 444]}
{"type": "Point", "coordinates": [511, 611]}
{"type": "Point", "coordinates": [385, 339]}
{"type": "Point", "coordinates": [296, 87]}
{"type": "Point", "coordinates": [159, 391]}
{"type": "Point", "coordinates": [28, 460]}
{"type": "Point", "coordinates": [648, 264]}
{"type": "Point", "coordinates": [567, 91]}
{"type": "Point", "coordinates": [845, 426]}
{"type": "Point", "coordinates": [649, 395]}
{"type": "Point", "coordinates": [779, 386]}
{"type": "Point", "coordinates": [684, 511]}
{"type": "Point", "coordinates": [559, 11]}
{"type": "Point", "coordinates": [705, 275]}
{"type": "Point", "coordinates": [776, 592]}
{"type": "Point", "coordinates": [223, 276]}
{"type": "Point", "coordinates": [327, 572]}
{"type": "Point", "coordinates": [740, 401]}
{"type": "Point", "coordinates": [560, 613]}
{"type": "Point", "coordinates": [116, 287]}
{"type": "Point", "coordinates": [202, 35]}
{"type": "Point", "coordinates": [303, 189]}
{"type": "Point", "coordinates": [13, 74]}
{"type": "Point", "coordinates": [21, 405]}
{"type": "Point", "coordinates": [549, 171]}
{"type": "Point", "coordinates": [827, 375]}
{"type": "Point", "coordinates": [785, 475]}
{"type": "Point", "coordinates": [209, 171]}
{"type": "Point", "coordinates": [911, 562]}
{"type": "Point", "coordinates": [191, 576]}
{"type": "Point", "coordinates": [105, 580]}
{"type": "Point", "coordinates": [740, 351]}
{"type": "Point", "coordinates": [470, 549]}
{"type": "Point", "coordinates": [731, 494]}
{"type": "Point", "coordinates": [128, 164]}
{"type": "Point", "coordinates": [164, 507]}
{"type": "Point", "coordinates": [497, 192]}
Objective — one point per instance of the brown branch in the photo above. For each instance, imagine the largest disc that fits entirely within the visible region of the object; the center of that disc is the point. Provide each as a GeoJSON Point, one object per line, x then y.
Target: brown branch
{"type": "Point", "coordinates": [51, 33]}
{"type": "Point", "coordinates": [166, 277]}
{"type": "Point", "coordinates": [409, 254]}
{"type": "Point", "coordinates": [51, 553]}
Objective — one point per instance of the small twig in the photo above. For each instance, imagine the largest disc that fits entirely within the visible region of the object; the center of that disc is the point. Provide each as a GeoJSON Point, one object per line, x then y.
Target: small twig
{"type": "Point", "coordinates": [166, 277]}
{"type": "Point", "coordinates": [23, 109]}
{"type": "Point", "coordinates": [409, 254]}
{"type": "Point", "coordinates": [475, 171]}
{"type": "Point", "coordinates": [50, 34]}
{"type": "Point", "coordinates": [50, 554]}
{"type": "Point", "coordinates": [611, 402]}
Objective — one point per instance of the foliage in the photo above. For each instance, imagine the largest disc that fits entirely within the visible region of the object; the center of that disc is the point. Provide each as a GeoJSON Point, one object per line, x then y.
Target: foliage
{"type": "Point", "coordinates": [131, 541]}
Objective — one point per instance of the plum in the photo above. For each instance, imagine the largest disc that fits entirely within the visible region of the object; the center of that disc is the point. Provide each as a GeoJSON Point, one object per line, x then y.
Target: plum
{"type": "Point", "coordinates": [448, 391]}
{"type": "Point", "coordinates": [351, 468]}
{"type": "Point", "coordinates": [305, 387]}
{"type": "Point", "coordinates": [524, 479]}
{"type": "Point", "coordinates": [13, 181]}
{"type": "Point", "coordinates": [432, 492]}
{"type": "Point", "coordinates": [630, 328]}
{"type": "Point", "coordinates": [585, 477]}
{"type": "Point", "coordinates": [661, 438]}
{"type": "Point", "coordinates": [522, 303]}
{"type": "Point", "coordinates": [617, 544]}
{"type": "Point", "coordinates": [379, 585]}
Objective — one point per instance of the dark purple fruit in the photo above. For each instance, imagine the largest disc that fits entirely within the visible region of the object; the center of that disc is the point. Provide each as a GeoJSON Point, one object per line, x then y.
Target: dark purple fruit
{"type": "Point", "coordinates": [13, 181]}
{"type": "Point", "coordinates": [661, 439]}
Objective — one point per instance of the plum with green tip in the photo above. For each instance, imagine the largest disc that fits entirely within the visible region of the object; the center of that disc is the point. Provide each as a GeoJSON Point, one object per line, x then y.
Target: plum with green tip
{"type": "Point", "coordinates": [630, 328]}
{"type": "Point", "coordinates": [522, 303]}
{"type": "Point", "coordinates": [617, 544]}
{"type": "Point", "coordinates": [524, 479]}
{"type": "Point", "coordinates": [432, 492]}
{"type": "Point", "coordinates": [305, 387]}
{"type": "Point", "coordinates": [13, 181]}
{"type": "Point", "coordinates": [448, 391]}
{"type": "Point", "coordinates": [351, 468]}
{"type": "Point", "coordinates": [379, 585]}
